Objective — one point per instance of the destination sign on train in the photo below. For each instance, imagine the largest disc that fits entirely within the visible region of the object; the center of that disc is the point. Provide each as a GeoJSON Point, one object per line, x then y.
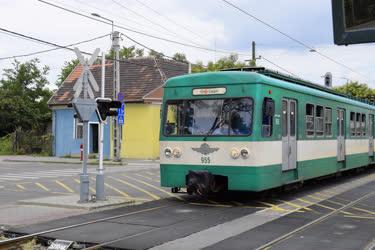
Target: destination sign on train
{"type": "Point", "coordinates": [210, 91]}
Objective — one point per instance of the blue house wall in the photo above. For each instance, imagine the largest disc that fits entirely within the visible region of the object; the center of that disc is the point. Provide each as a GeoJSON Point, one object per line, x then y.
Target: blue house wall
{"type": "Point", "coordinates": [63, 131]}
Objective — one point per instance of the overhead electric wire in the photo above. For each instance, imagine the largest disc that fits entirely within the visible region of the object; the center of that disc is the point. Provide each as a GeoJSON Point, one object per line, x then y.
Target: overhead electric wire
{"type": "Point", "coordinates": [83, 52]}
{"type": "Point", "coordinates": [150, 49]}
{"type": "Point", "coordinates": [139, 32]}
{"type": "Point", "coordinates": [57, 46]}
{"type": "Point", "coordinates": [278, 66]}
{"type": "Point", "coordinates": [49, 50]}
{"type": "Point", "coordinates": [151, 21]}
{"type": "Point", "coordinates": [169, 19]}
{"type": "Point", "coordinates": [112, 14]}
{"type": "Point", "coordinates": [292, 38]}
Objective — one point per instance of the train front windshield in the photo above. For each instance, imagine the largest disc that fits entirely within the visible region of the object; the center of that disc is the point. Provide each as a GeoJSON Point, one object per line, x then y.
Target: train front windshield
{"type": "Point", "coordinates": [210, 117]}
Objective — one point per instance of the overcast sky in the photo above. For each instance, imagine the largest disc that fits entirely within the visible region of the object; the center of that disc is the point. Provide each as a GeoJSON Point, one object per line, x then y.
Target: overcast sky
{"type": "Point", "coordinates": [209, 23]}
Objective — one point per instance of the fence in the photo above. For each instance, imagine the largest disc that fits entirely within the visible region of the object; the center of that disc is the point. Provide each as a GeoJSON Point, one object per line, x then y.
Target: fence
{"type": "Point", "coordinates": [29, 142]}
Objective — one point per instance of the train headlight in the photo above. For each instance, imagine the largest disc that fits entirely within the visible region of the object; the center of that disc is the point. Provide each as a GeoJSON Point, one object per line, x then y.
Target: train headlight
{"type": "Point", "coordinates": [168, 152]}
{"type": "Point", "coordinates": [234, 153]}
{"type": "Point", "coordinates": [244, 153]}
{"type": "Point", "coordinates": [177, 152]}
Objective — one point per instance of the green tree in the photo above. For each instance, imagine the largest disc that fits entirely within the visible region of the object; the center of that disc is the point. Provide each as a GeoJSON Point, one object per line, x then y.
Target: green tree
{"type": "Point", "coordinates": [356, 89]}
{"type": "Point", "coordinates": [127, 52]}
{"type": "Point", "coordinates": [223, 63]}
{"type": "Point", "coordinates": [155, 54]}
{"type": "Point", "coordinates": [66, 70]}
{"type": "Point", "coordinates": [180, 57]}
{"type": "Point", "coordinates": [23, 97]}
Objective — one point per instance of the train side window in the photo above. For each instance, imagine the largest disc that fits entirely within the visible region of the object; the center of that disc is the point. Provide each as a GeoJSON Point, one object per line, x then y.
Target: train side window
{"type": "Point", "coordinates": [319, 121]}
{"type": "Point", "coordinates": [309, 120]}
{"type": "Point", "coordinates": [172, 119]}
{"type": "Point", "coordinates": [268, 111]}
{"type": "Point", "coordinates": [328, 121]}
{"type": "Point", "coordinates": [363, 125]}
{"type": "Point", "coordinates": [358, 124]}
{"type": "Point", "coordinates": [352, 123]}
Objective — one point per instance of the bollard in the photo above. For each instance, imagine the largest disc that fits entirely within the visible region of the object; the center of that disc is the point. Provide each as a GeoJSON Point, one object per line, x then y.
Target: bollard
{"type": "Point", "coordinates": [81, 150]}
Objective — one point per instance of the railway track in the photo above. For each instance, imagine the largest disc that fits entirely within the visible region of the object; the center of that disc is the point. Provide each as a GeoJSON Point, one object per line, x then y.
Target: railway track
{"type": "Point", "coordinates": [280, 239]}
{"type": "Point", "coordinates": [17, 241]}
{"type": "Point", "coordinates": [14, 242]}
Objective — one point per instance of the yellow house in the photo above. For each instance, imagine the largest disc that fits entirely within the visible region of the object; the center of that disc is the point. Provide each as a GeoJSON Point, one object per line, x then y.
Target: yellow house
{"type": "Point", "coordinates": [142, 87]}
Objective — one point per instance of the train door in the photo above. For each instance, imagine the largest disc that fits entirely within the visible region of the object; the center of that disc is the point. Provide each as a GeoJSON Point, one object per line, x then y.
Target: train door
{"type": "Point", "coordinates": [340, 135]}
{"type": "Point", "coordinates": [289, 138]}
{"type": "Point", "coordinates": [371, 135]}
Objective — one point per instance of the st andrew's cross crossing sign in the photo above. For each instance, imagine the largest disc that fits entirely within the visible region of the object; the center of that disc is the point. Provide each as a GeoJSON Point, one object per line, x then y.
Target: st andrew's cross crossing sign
{"type": "Point", "coordinates": [80, 84]}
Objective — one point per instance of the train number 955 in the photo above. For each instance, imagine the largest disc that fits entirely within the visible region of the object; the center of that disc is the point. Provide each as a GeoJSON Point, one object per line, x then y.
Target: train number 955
{"type": "Point", "coordinates": [205, 160]}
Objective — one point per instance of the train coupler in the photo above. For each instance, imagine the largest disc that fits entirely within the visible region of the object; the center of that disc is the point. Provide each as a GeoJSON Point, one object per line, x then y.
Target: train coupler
{"type": "Point", "coordinates": [204, 182]}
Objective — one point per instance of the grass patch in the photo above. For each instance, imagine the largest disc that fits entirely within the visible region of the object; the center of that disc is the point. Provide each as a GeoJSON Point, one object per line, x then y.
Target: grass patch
{"type": "Point", "coordinates": [31, 245]}
{"type": "Point", "coordinates": [6, 145]}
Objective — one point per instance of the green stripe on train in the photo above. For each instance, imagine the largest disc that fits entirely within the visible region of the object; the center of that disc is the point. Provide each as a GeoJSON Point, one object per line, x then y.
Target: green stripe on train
{"type": "Point", "coordinates": [262, 178]}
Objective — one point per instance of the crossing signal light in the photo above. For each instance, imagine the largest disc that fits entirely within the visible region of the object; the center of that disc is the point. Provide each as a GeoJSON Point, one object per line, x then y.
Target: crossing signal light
{"type": "Point", "coordinates": [107, 107]}
{"type": "Point", "coordinates": [328, 80]}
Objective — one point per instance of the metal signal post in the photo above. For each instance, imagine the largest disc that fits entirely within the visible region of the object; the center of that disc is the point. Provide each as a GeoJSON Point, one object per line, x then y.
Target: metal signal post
{"type": "Point", "coordinates": [85, 108]}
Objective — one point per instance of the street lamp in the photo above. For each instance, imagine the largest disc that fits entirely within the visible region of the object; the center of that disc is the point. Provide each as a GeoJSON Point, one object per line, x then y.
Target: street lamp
{"type": "Point", "coordinates": [99, 16]}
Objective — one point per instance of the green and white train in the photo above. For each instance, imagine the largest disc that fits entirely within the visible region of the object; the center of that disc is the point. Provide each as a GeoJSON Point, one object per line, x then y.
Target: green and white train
{"type": "Point", "coordinates": [254, 129]}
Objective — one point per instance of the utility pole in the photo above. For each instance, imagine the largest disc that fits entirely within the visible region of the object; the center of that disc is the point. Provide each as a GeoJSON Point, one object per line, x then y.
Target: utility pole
{"type": "Point", "coordinates": [116, 90]}
{"type": "Point", "coordinates": [100, 173]}
{"type": "Point", "coordinates": [253, 59]}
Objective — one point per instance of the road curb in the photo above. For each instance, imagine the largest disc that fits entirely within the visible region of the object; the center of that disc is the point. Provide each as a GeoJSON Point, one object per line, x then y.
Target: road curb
{"type": "Point", "coordinates": [65, 162]}
{"type": "Point", "coordinates": [69, 202]}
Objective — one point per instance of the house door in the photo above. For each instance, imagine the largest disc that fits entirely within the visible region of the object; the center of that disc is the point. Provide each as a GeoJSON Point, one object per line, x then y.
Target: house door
{"type": "Point", "coordinates": [289, 128]}
{"type": "Point", "coordinates": [340, 135]}
{"type": "Point", "coordinates": [371, 135]}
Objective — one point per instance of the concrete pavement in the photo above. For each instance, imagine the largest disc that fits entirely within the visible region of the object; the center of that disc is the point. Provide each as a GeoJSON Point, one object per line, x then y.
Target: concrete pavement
{"type": "Point", "coordinates": [68, 160]}
{"type": "Point", "coordinates": [226, 222]}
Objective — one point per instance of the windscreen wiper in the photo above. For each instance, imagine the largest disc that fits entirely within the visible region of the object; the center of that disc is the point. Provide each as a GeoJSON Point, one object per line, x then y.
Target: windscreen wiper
{"type": "Point", "coordinates": [215, 125]}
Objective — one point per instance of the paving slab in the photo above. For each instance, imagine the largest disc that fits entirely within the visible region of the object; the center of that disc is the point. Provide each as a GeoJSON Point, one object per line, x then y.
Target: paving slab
{"type": "Point", "coordinates": [316, 237]}
{"type": "Point", "coordinates": [88, 216]}
{"type": "Point", "coordinates": [181, 229]}
{"type": "Point", "coordinates": [72, 201]}
{"type": "Point", "coordinates": [100, 232]}
{"type": "Point", "coordinates": [21, 215]}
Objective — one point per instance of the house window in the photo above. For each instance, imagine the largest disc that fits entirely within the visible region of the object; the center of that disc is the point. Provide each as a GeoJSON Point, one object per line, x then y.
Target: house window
{"type": "Point", "coordinates": [78, 128]}
{"type": "Point", "coordinates": [319, 121]}
{"type": "Point", "coordinates": [352, 123]}
{"type": "Point", "coordinates": [363, 125]}
{"type": "Point", "coordinates": [358, 124]}
{"type": "Point", "coordinates": [328, 121]}
{"type": "Point", "coordinates": [267, 116]}
{"type": "Point", "coordinates": [309, 120]}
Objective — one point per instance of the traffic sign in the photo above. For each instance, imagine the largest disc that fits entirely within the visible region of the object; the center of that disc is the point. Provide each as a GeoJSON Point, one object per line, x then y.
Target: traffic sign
{"type": "Point", "coordinates": [121, 114]}
{"type": "Point", "coordinates": [121, 110]}
{"type": "Point", "coordinates": [79, 85]}
{"type": "Point", "coordinates": [120, 119]}
{"type": "Point", "coordinates": [120, 97]}
{"type": "Point", "coordinates": [353, 21]}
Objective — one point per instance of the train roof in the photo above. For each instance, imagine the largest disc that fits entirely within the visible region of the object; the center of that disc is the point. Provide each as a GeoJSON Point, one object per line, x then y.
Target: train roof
{"type": "Point", "coordinates": [261, 75]}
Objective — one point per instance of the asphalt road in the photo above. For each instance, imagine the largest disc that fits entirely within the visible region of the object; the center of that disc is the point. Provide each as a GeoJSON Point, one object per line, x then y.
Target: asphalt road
{"type": "Point", "coordinates": [29, 180]}
{"type": "Point", "coordinates": [32, 180]}
{"type": "Point", "coordinates": [238, 220]}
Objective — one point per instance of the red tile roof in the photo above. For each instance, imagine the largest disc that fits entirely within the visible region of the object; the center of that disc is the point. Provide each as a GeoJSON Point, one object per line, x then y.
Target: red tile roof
{"type": "Point", "coordinates": [140, 79]}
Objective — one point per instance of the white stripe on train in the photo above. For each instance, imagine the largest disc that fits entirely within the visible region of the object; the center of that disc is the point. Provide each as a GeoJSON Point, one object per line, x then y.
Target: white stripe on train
{"type": "Point", "coordinates": [261, 152]}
